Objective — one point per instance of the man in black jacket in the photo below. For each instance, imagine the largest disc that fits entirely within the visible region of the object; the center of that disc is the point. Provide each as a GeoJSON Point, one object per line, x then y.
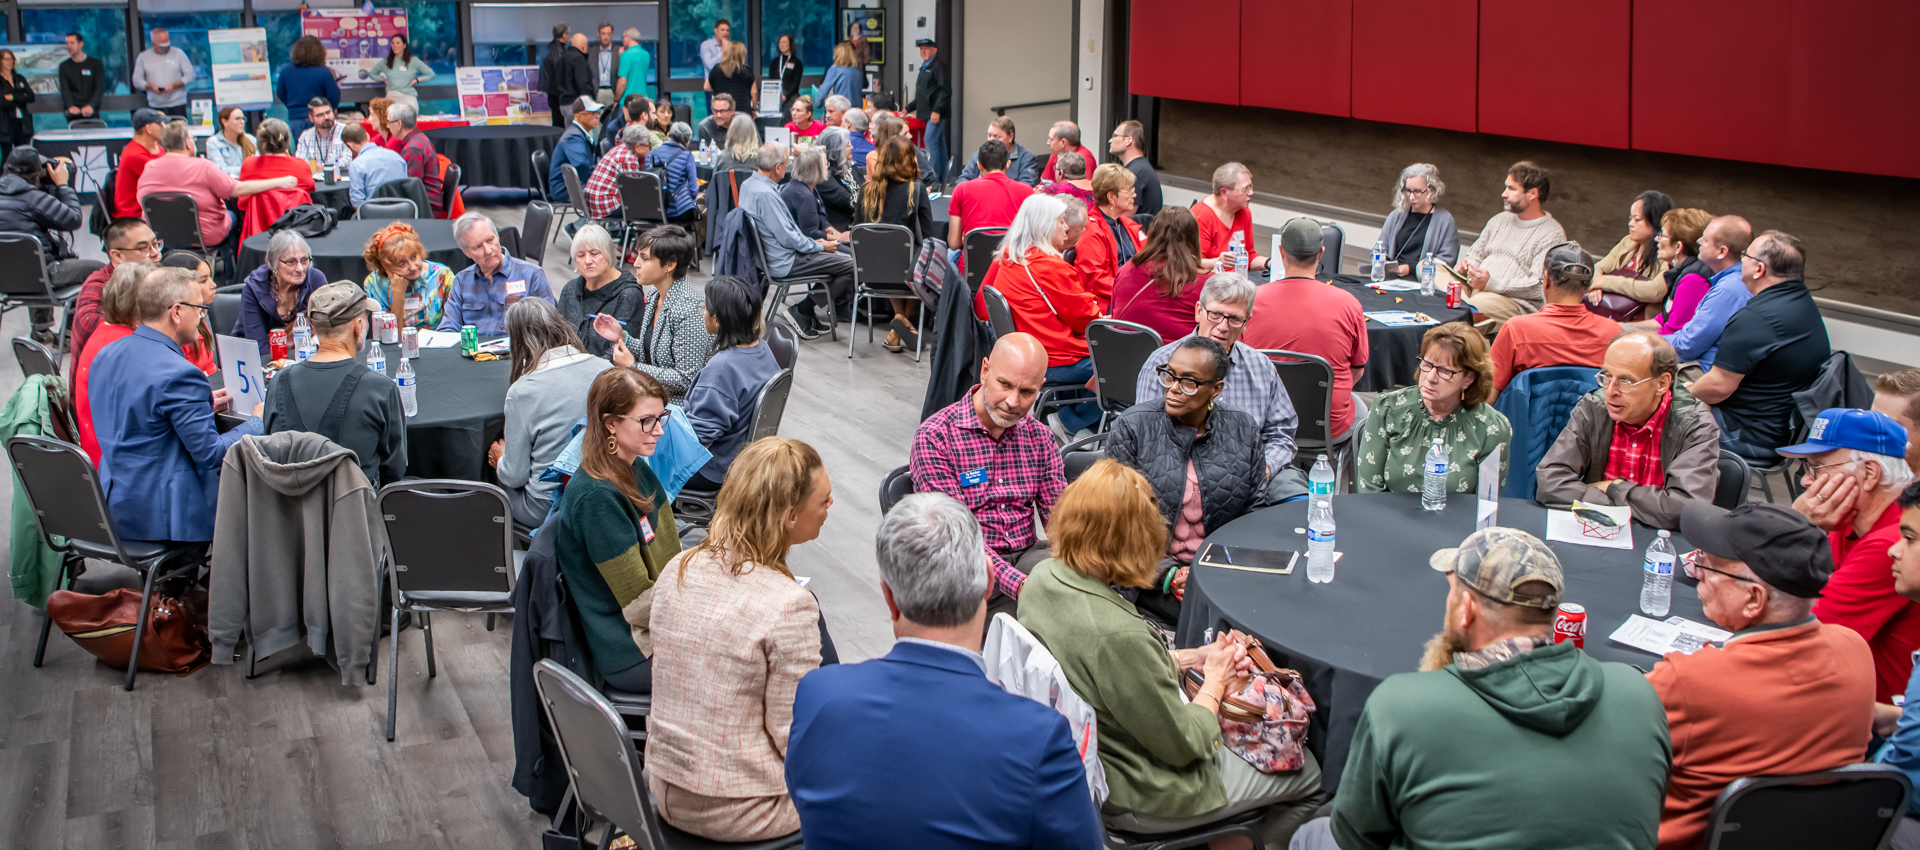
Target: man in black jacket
{"type": "Point", "coordinates": [576, 78]}
{"type": "Point", "coordinates": [83, 79]}
{"type": "Point", "coordinates": [550, 74]}
{"type": "Point", "coordinates": [932, 103]}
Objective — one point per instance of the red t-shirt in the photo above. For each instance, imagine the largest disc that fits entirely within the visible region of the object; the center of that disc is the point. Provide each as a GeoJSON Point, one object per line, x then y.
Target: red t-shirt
{"type": "Point", "coordinates": [1860, 596]}
{"type": "Point", "coordinates": [1216, 236]}
{"type": "Point", "coordinates": [813, 129]}
{"type": "Point", "coordinates": [1087, 155]}
{"type": "Point", "coordinates": [209, 186]}
{"type": "Point", "coordinates": [126, 182]}
{"type": "Point", "coordinates": [1137, 299]}
{"type": "Point", "coordinates": [1558, 335]}
{"type": "Point", "coordinates": [990, 200]}
{"type": "Point", "coordinates": [1305, 315]}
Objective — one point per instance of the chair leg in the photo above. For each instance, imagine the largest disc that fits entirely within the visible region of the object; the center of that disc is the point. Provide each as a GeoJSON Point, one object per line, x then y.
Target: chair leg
{"type": "Point", "coordinates": [46, 621]}
{"type": "Point", "coordinates": [856, 323]}
{"type": "Point", "coordinates": [489, 621]}
{"type": "Point", "coordinates": [393, 670]}
{"type": "Point", "coordinates": [426, 627]}
{"type": "Point", "coordinates": [140, 625]}
{"type": "Point", "coordinates": [920, 332]}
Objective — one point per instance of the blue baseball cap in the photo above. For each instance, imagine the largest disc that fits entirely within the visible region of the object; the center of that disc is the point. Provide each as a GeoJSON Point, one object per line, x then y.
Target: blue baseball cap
{"type": "Point", "coordinates": [1846, 428]}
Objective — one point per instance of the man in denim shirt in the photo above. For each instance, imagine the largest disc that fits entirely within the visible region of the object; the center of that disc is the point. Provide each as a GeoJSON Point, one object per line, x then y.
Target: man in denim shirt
{"type": "Point", "coordinates": [789, 252]}
{"type": "Point", "coordinates": [483, 291]}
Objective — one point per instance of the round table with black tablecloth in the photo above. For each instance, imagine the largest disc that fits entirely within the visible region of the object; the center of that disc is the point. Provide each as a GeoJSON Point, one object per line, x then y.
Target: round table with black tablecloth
{"type": "Point", "coordinates": [340, 255]}
{"type": "Point", "coordinates": [462, 408]}
{"type": "Point", "coordinates": [336, 195]}
{"type": "Point", "coordinates": [1373, 620]}
{"type": "Point", "coordinates": [496, 154]}
{"type": "Point", "coordinates": [1393, 356]}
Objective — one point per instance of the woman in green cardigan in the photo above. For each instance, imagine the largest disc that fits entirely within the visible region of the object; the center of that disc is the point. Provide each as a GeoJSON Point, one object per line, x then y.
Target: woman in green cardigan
{"type": "Point", "coordinates": [616, 527]}
{"type": "Point", "coordinates": [1166, 769]}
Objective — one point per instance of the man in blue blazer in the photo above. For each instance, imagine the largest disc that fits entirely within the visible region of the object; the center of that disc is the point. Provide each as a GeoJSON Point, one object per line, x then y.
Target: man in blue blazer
{"type": "Point", "coordinates": [575, 148]}
{"type": "Point", "coordinates": [917, 749]}
{"type": "Point", "coordinates": [160, 452]}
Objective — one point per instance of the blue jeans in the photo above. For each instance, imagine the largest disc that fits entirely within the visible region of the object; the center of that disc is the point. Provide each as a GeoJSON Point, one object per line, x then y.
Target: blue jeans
{"type": "Point", "coordinates": [1075, 416]}
{"type": "Point", "coordinates": [936, 135]}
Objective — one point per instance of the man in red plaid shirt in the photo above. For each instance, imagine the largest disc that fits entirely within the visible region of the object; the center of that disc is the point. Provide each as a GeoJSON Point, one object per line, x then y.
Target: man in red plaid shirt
{"type": "Point", "coordinates": [603, 188]}
{"type": "Point", "coordinates": [985, 451]}
{"type": "Point", "coordinates": [1640, 440]}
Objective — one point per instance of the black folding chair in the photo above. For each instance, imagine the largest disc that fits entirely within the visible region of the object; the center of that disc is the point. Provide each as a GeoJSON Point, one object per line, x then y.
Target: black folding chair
{"type": "Point", "coordinates": [1731, 491]}
{"type": "Point", "coordinates": [1000, 317]}
{"type": "Point", "coordinates": [175, 219]}
{"type": "Point", "coordinates": [643, 205]}
{"type": "Point", "coordinates": [1308, 380]}
{"type": "Point", "coordinates": [64, 491]}
{"type": "Point", "coordinates": [1080, 455]}
{"type": "Point", "coordinates": [883, 256]}
{"type": "Point", "coordinates": [86, 124]}
{"type": "Point", "coordinates": [35, 358]}
{"type": "Point", "coordinates": [450, 548]}
{"type": "Point", "coordinates": [784, 342]}
{"type": "Point", "coordinates": [533, 236]}
{"type": "Point", "coordinates": [1856, 807]}
{"type": "Point", "coordinates": [976, 247]}
{"type": "Point", "coordinates": [576, 205]}
{"type": "Point", "coordinates": [1333, 240]}
{"type": "Point", "coordinates": [896, 486]}
{"type": "Point", "coordinates": [388, 209]}
{"type": "Point", "coordinates": [779, 287]}
{"type": "Point", "coordinates": [540, 160]}
{"type": "Point", "coordinates": [1120, 350]}
{"type": "Point", "coordinates": [694, 508]}
{"type": "Point", "coordinates": [606, 777]}
{"type": "Point", "coordinates": [450, 188]}
{"type": "Point", "coordinates": [27, 283]}
{"type": "Point", "coordinates": [226, 308]}
{"type": "Point", "coordinates": [999, 313]}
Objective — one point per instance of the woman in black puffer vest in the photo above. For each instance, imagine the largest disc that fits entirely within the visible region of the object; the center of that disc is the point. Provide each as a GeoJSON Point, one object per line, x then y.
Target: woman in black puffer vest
{"type": "Point", "coordinates": [1204, 460]}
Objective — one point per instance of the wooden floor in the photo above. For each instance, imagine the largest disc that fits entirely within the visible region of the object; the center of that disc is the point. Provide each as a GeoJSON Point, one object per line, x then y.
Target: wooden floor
{"type": "Point", "coordinates": [293, 759]}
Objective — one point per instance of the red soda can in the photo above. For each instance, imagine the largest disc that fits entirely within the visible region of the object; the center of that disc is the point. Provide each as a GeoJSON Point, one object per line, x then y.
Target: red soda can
{"type": "Point", "coordinates": [1570, 624]}
{"type": "Point", "coordinates": [1453, 293]}
{"type": "Point", "coordinates": [277, 344]}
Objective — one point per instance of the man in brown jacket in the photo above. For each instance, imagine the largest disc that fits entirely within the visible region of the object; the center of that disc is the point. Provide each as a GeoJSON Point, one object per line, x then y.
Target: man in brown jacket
{"type": "Point", "coordinates": [1640, 440]}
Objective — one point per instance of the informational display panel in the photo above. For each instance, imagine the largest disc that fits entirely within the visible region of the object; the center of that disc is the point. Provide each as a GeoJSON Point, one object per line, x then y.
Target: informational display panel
{"type": "Point", "coordinates": [502, 94]}
{"type": "Point", "coordinates": [354, 38]}
{"type": "Point", "coordinates": [240, 72]}
{"type": "Point", "coordinates": [40, 64]}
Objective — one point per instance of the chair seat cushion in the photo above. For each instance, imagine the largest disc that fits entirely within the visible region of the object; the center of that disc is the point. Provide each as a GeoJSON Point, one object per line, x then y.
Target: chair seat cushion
{"type": "Point", "coordinates": [459, 599]}
{"type": "Point", "coordinates": [67, 293]}
{"type": "Point", "coordinates": [626, 701]}
{"type": "Point", "coordinates": [800, 279]}
{"type": "Point", "coordinates": [140, 551]}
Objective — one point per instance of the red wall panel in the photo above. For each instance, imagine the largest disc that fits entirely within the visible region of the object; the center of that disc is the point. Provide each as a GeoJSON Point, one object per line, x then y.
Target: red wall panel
{"type": "Point", "coordinates": [1312, 73]}
{"type": "Point", "coordinates": [1414, 62]}
{"type": "Point", "coordinates": [1811, 83]}
{"type": "Point", "coordinates": [1555, 71]}
{"type": "Point", "coordinates": [1186, 49]}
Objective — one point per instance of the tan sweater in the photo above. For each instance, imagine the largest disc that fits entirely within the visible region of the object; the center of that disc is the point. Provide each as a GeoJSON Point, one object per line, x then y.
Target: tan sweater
{"type": "Point", "coordinates": [1514, 253]}
{"type": "Point", "coordinates": [1611, 274]}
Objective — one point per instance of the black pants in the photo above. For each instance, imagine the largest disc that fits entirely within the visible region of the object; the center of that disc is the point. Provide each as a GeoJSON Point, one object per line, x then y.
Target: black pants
{"type": "Point", "coordinates": [638, 678]}
{"type": "Point", "coordinates": [178, 111]}
{"type": "Point", "coordinates": [1023, 560]}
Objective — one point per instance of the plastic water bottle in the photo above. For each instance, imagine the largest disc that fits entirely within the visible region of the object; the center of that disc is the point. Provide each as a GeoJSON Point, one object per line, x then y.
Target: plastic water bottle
{"type": "Point", "coordinates": [1320, 541]}
{"type": "Point", "coordinates": [1320, 481]}
{"type": "Point", "coordinates": [376, 359]}
{"type": "Point", "coordinates": [409, 388]}
{"type": "Point", "coordinates": [1239, 248]}
{"type": "Point", "coordinates": [1656, 589]}
{"type": "Point", "coordinates": [1427, 271]}
{"type": "Point", "coordinates": [1433, 487]}
{"type": "Point", "coordinates": [1379, 272]}
{"type": "Point", "coordinates": [302, 337]}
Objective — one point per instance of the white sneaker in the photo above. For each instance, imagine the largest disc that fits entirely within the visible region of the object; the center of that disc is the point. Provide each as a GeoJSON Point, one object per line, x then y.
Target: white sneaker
{"type": "Point", "coordinates": [1058, 427]}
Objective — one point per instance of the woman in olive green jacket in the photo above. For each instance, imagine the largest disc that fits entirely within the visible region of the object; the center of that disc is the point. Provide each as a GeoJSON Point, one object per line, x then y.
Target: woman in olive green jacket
{"type": "Point", "coordinates": [1166, 770]}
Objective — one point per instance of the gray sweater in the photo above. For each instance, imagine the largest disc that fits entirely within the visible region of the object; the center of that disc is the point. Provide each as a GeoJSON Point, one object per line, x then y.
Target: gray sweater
{"type": "Point", "coordinates": [373, 426]}
{"type": "Point", "coordinates": [542, 408]}
{"type": "Point", "coordinates": [1514, 253]}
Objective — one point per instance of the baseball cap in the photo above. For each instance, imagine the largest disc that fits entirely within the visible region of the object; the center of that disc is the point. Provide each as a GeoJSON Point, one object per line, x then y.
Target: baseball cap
{"type": "Point", "coordinates": [338, 303]}
{"type": "Point", "coordinates": [1780, 546]}
{"type": "Point", "coordinates": [588, 104]}
{"type": "Point", "coordinates": [1300, 236]}
{"type": "Point", "coordinates": [1497, 561]}
{"type": "Point", "coordinates": [924, 42]}
{"type": "Point", "coordinates": [1846, 428]}
{"type": "Point", "coordinates": [144, 116]}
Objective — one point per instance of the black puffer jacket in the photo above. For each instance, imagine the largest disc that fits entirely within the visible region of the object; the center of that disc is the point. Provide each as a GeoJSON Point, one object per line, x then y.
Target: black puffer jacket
{"type": "Point", "coordinates": [1230, 462]}
{"type": "Point", "coordinates": [25, 209]}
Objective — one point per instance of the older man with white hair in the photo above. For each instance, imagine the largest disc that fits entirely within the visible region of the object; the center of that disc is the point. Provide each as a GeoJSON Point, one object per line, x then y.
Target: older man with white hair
{"type": "Point", "coordinates": [836, 106]}
{"type": "Point", "coordinates": [789, 252]}
{"type": "Point", "coordinates": [403, 121]}
{"type": "Point", "coordinates": [1225, 305]}
{"type": "Point", "coordinates": [1856, 468]}
{"type": "Point", "coordinates": [497, 280]}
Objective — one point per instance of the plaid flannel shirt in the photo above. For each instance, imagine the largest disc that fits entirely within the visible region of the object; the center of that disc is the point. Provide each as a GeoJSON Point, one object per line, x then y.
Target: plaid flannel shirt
{"type": "Point", "coordinates": [603, 188]}
{"type": "Point", "coordinates": [423, 163]}
{"type": "Point", "coordinates": [1023, 474]}
{"type": "Point", "coordinates": [1634, 454]}
{"type": "Point", "coordinates": [331, 150]}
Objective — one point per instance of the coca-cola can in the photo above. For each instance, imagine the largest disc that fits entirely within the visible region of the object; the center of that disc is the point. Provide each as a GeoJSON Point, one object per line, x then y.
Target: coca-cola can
{"type": "Point", "coordinates": [410, 343]}
{"type": "Point", "coordinates": [277, 344]}
{"type": "Point", "coordinates": [1570, 624]}
{"type": "Point", "coordinates": [1453, 293]}
{"type": "Point", "coordinates": [386, 327]}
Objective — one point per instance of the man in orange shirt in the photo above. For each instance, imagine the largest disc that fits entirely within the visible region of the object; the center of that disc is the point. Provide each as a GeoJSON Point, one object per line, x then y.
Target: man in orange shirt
{"type": "Point", "coordinates": [148, 124]}
{"type": "Point", "coordinates": [1564, 332]}
{"type": "Point", "coordinates": [1786, 694]}
{"type": "Point", "coordinates": [1300, 313]}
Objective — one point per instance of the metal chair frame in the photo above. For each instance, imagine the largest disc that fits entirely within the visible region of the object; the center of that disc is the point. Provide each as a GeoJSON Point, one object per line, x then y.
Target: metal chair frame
{"type": "Point", "coordinates": [533, 240]}
{"type": "Point", "coordinates": [778, 288]}
{"type": "Point", "coordinates": [784, 342]}
{"type": "Point", "coordinates": [1124, 349]}
{"type": "Point", "coordinates": [1782, 804]}
{"type": "Point", "coordinates": [1300, 373]}
{"type": "Point", "coordinates": [576, 203]}
{"type": "Point", "coordinates": [876, 277]}
{"type": "Point", "coordinates": [23, 289]}
{"type": "Point", "coordinates": [976, 247]}
{"type": "Point", "coordinates": [694, 508]}
{"type": "Point", "coordinates": [540, 161]}
{"type": "Point", "coordinates": [896, 486]}
{"type": "Point", "coordinates": [35, 358]}
{"type": "Point", "coordinates": [643, 206]}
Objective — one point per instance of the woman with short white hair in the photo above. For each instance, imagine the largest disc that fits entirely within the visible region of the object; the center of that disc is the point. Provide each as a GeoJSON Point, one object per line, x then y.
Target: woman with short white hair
{"type": "Point", "coordinates": [601, 289]}
{"type": "Point", "coordinates": [1047, 298]}
{"type": "Point", "coordinates": [276, 292]}
{"type": "Point", "coordinates": [1418, 226]}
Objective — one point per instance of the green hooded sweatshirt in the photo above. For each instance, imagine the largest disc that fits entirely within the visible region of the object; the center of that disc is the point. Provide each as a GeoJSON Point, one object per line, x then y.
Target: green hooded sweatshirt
{"type": "Point", "coordinates": [1547, 749]}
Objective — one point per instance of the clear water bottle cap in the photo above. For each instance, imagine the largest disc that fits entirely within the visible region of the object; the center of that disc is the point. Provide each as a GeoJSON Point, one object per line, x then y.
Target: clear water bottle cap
{"type": "Point", "coordinates": [1665, 533]}
{"type": "Point", "coordinates": [1322, 458]}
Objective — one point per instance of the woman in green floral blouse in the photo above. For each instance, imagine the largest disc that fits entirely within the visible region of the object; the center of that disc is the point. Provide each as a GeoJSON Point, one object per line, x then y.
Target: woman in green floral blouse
{"type": "Point", "coordinates": [1450, 403]}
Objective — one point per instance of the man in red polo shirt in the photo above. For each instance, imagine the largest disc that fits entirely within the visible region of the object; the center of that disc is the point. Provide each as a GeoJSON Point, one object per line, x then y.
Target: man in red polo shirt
{"type": "Point", "coordinates": [1226, 212]}
{"type": "Point", "coordinates": [1064, 136]}
{"type": "Point", "coordinates": [1564, 332]}
{"type": "Point", "coordinates": [1299, 313]}
{"type": "Point", "coordinates": [142, 149]}
{"type": "Point", "coordinates": [989, 201]}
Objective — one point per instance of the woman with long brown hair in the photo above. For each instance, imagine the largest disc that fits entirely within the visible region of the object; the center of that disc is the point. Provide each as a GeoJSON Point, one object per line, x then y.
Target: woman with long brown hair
{"type": "Point", "coordinates": [615, 533]}
{"type": "Point", "coordinates": [1161, 285]}
{"type": "Point", "coordinates": [548, 372]}
{"type": "Point", "coordinates": [893, 194]}
{"type": "Point", "coordinates": [231, 144]}
{"type": "Point", "coordinates": [732, 635]}
{"type": "Point", "coordinates": [403, 280]}
{"type": "Point", "coordinates": [205, 353]}
{"type": "Point", "coordinates": [16, 94]}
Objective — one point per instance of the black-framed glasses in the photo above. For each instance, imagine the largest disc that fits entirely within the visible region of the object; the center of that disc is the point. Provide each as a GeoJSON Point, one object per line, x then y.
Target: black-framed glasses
{"type": "Point", "coordinates": [1445, 373]}
{"type": "Point", "coordinates": [150, 248]}
{"type": "Point", "coordinates": [1696, 561]}
{"type": "Point", "coordinates": [650, 424]}
{"type": "Point", "coordinates": [1188, 386]}
{"type": "Point", "coordinates": [1607, 381]}
{"type": "Point", "coordinates": [204, 308]}
{"type": "Point", "coordinates": [1745, 255]}
{"type": "Point", "coordinates": [296, 261]}
{"type": "Point", "coordinates": [1411, 192]}
{"type": "Point", "coordinates": [1231, 320]}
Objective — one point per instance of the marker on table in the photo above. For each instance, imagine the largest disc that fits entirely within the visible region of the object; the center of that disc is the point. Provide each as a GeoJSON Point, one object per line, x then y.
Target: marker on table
{"type": "Point", "coordinates": [615, 321]}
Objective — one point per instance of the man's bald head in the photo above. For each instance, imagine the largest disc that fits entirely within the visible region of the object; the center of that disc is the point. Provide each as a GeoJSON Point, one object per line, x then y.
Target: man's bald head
{"type": "Point", "coordinates": [1020, 354]}
{"type": "Point", "coordinates": [580, 41]}
{"type": "Point", "coordinates": [1010, 379]}
{"type": "Point", "coordinates": [1637, 372]}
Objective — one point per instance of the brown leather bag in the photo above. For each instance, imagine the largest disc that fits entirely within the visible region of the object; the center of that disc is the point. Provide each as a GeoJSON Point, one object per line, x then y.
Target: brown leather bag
{"type": "Point", "coordinates": [176, 640]}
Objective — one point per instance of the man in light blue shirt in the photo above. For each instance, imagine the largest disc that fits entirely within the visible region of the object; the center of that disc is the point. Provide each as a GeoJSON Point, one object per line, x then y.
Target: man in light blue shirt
{"type": "Point", "coordinates": [372, 165]}
{"type": "Point", "coordinates": [789, 252]}
{"type": "Point", "coordinates": [1721, 245]}
{"type": "Point", "coordinates": [497, 280]}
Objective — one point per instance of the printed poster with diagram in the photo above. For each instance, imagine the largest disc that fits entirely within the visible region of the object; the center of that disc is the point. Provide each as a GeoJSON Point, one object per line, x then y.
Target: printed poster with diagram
{"type": "Point", "coordinates": [354, 39]}
{"type": "Point", "coordinates": [501, 94]}
{"type": "Point", "coordinates": [40, 64]}
{"type": "Point", "coordinates": [240, 73]}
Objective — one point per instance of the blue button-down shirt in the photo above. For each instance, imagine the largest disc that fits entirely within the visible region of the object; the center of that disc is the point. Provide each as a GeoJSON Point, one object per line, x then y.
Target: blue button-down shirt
{"type": "Point", "coordinates": [371, 167]}
{"type": "Point", "coordinates": [1903, 749]}
{"type": "Point", "coordinates": [773, 223]}
{"type": "Point", "coordinates": [1700, 338]}
{"type": "Point", "coordinates": [482, 301]}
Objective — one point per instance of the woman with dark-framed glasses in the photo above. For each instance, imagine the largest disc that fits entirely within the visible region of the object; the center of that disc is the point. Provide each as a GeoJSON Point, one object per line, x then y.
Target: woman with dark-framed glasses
{"type": "Point", "coordinates": [276, 292]}
{"type": "Point", "coordinates": [1418, 226]}
{"type": "Point", "coordinates": [1449, 402]}
{"type": "Point", "coordinates": [1205, 460]}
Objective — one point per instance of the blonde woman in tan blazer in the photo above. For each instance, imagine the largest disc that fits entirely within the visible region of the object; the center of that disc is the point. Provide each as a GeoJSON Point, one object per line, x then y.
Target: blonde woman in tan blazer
{"type": "Point", "coordinates": [732, 635]}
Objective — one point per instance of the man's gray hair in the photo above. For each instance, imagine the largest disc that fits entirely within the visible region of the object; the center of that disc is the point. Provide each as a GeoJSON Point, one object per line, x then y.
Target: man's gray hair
{"type": "Point", "coordinates": [1066, 131]}
{"type": "Point", "coordinates": [632, 32]}
{"type": "Point", "coordinates": [1226, 175]}
{"type": "Point", "coordinates": [1418, 169]}
{"type": "Point", "coordinates": [1895, 475]}
{"type": "Point", "coordinates": [282, 242]}
{"type": "Point", "coordinates": [1076, 210]}
{"type": "Point", "coordinates": [465, 225]}
{"type": "Point", "coordinates": [165, 287]}
{"type": "Point", "coordinates": [1782, 253]}
{"type": "Point", "coordinates": [592, 236]}
{"type": "Point", "coordinates": [771, 155]}
{"type": "Point", "coordinates": [1228, 288]}
{"type": "Point", "coordinates": [634, 134]}
{"type": "Point", "coordinates": [856, 120]}
{"type": "Point", "coordinates": [811, 167]}
{"type": "Point", "coordinates": [403, 114]}
{"type": "Point", "coordinates": [837, 101]}
{"type": "Point", "coordinates": [934, 559]}
{"type": "Point", "coordinates": [680, 134]}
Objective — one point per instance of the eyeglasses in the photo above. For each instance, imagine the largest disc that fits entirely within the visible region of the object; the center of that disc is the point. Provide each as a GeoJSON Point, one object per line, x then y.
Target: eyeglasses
{"type": "Point", "coordinates": [1815, 470]}
{"type": "Point", "coordinates": [1696, 561]}
{"type": "Point", "coordinates": [149, 247]}
{"type": "Point", "coordinates": [1231, 320]}
{"type": "Point", "coordinates": [1609, 381]}
{"type": "Point", "coordinates": [1244, 190]}
{"type": "Point", "coordinates": [650, 424]}
{"type": "Point", "coordinates": [1188, 386]}
{"type": "Point", "coordinates": [1412, 192]}
{"type": "Point", "coordinates": [1748, 256]}
{"type": "Point", "coordinates": [204, 308]}
{"type": "Point", "coordinates": [1445, 373]}
{"type": "Point", "coordinates": [296, 261]}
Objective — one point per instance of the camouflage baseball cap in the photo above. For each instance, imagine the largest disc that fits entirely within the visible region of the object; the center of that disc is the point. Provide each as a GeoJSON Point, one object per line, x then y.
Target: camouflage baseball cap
{"type": "Point", "coordinates": [1496, 561]}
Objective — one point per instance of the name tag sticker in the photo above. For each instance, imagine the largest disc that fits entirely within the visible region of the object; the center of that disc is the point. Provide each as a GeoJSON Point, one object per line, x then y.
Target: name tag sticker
{"type": "Point", "coordinates": [646, 530]}
{"type": "Point", "coordinates": [516, 287]}
{"type": "Point", "coordinates": [973, 478]}
{"type": "Point", "coordinates": [415, 302]}
{"type": "Point", "coordinates": [86, 72]}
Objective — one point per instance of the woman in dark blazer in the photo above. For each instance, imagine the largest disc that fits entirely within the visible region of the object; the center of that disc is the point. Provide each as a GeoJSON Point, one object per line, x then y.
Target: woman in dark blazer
{"type": "Point", "coordinates": [785, 66]}
{"type": "Point", "coordinates": [16, 94]}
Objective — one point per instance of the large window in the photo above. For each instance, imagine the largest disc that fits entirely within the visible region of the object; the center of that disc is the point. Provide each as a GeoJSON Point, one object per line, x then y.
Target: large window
{"type": "Point", "coordinates": [691, 23]}
{"type": "Point", "coordinates": [186, 24]}
{"type": "Point", "coordinates": [810, 22]}
{"type": "Point", "coordinates": [105, 29]}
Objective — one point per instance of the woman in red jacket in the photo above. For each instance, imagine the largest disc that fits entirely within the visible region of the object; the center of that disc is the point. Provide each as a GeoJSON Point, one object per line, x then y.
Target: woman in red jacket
{"type": "Point", "coordinates": [1048, 299]}
{"type": "Point", "coordinates": [1112, 236]}
{"type": "Point", "coordinates": [275, 160]}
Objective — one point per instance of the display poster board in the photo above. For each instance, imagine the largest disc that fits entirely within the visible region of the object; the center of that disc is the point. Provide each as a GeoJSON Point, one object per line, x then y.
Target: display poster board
{"type": "Point", "coordinates": [240, 72]}
{"type": "Point", "coordinates": [40, 64]}
{"type": "Point", "coordinates": [502, 94]}
{"type": "Point", "coordinates": [770, 99]}
{"type": "Point", "coordinates": [871, 24]}
{"type": "Point", "coordinates": [354, 38]}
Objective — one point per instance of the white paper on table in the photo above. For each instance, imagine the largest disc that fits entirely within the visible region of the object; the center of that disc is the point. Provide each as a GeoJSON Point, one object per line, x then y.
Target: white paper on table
{"type": "Point", "coordinates": [1396, 285]}
{"type": "Point", "coordinates": [1677, 634]}
{"type": "Point", "coordinates": [439, 339]}
{"type": "Point", "coordinates": [1489, 499]}
{"type": "Point", "coordinates": [1565, 527]}
{"type": "Point", "coordinates": [1401, 318]}
{"type": "Point", "coordinates": [240, 369]}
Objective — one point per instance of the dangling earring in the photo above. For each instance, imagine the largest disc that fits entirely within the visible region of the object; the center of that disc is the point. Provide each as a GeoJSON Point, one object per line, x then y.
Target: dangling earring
{"type": "Point", "coordinates": [613, 448]}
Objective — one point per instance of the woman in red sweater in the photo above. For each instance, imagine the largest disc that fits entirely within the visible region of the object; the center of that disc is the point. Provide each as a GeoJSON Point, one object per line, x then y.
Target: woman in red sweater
{"type": "Point", "coordinates": [275, 160]}
{"type": "Point", "coordinates": [1161, 286]}
{"type": "Point", "coordinates": [1112, 236]}
{"type": "Point", "coordinates": [1048, 299]}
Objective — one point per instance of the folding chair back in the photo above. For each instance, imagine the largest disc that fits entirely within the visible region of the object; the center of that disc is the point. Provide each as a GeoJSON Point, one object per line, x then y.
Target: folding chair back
{"type": "Point", "coordinates": [784, 342]}
{"type": "Point", "coordinates": [1731, 491]}
{"type": "Point", "coordinates": [642, 201]}
{"type": "Point", "coordinates": [977, 249]}
{"type": "Point", "coordinates": [540, 160]}
{"type": "Point", "coordinates": [533, 231]}
{"type": "Point", "coordinates": [64, 490]}
{"type": "Point", "coordinates": [897, 485]}
{"type": "Point", "coordinates": [87, 124]}
{"type": "Point", "coordinates": [175, 218]}
{"type": "Point", "coordinates": [601, 761]}
{"type": "Point", "coordinates": [1333, 240]}
{"type": "Point", "coordinates": [883, 256]}
{"type": "Point", "coordinates": [448, 536]}
{"type": "Point", "coordinates": [1856, 807]}
{"type": "Point", "coordinates": [1120, 350]}
{"type": "Point", "coordinates": [1309, 383]}
{"type": "Point", "coordinates": [449, 188]}
{"type": "Point", "coordinates": [771, 406]}
{"type": "Point", "coordinates": [35, 358]}
{"type": "Point", "coordinates": [576, 196]}
{"type": "Point", "coordinates": [389, 208]}
{"type": "Point", "coordinates": [999, 313]}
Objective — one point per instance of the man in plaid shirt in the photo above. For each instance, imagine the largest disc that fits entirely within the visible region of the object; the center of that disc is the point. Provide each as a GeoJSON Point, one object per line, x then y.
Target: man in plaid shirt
{"type": "Point", "coordinates": [603, 188]}
{"type": "Point", "coordinates": [985, 451]}
{"type": "Point", "coordinates": [417, 150]}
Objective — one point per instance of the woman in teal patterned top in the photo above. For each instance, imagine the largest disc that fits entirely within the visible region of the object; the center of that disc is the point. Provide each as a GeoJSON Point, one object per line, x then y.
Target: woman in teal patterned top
{"type": "Point", "coordinates": [1450, 403]}
{"type": "Point", "coordinates": [399, 271]}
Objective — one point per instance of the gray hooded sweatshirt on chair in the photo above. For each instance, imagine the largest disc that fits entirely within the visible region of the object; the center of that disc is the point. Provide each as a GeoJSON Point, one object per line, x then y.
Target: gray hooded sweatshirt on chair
{"type": "Point", "coordinates": [297, 546]}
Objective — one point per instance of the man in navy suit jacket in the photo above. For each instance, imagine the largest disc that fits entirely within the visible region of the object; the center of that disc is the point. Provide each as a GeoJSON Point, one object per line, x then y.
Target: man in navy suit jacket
{"type": "Point", "coordinates": [917, 749]}
{"type": "Point", "coordinates": [160, 452]}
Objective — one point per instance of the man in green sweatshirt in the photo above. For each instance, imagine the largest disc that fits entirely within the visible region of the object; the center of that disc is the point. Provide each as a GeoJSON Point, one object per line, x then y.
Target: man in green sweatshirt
{"type": "Point", "coordinates": [1505, 739]}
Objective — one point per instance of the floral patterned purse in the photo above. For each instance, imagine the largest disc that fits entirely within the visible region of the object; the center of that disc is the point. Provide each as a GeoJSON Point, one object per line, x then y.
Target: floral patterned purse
{"type": "Point", "coordinates": [1266, 722]}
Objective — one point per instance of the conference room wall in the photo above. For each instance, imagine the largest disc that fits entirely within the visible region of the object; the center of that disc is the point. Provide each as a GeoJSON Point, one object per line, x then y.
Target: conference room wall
{"type": "Point", "coordinates": [1862, 232]}
{"type": "Point", "coordinates": [1005, 65]}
